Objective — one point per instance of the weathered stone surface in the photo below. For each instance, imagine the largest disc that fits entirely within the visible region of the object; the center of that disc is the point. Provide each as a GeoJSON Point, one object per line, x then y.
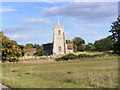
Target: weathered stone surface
{"type": "Point", "coordinates": [59, 45]}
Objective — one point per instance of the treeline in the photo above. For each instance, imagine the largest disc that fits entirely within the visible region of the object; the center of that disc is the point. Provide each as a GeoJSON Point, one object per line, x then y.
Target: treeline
{"type": "Point", "coordinates": [35, 49]}
{"type": "Point", "coordinates": [105, 44]}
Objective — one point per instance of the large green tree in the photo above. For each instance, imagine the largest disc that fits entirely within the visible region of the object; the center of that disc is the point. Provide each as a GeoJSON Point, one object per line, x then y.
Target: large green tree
{"type": "Point", "coordinates": [104, 44]}
{"type": "Point", "coordinates": [39, 49]}
{"type": "Point", "coordinates": [115, 30]}
{"type": "Point", "coordinates": [89, 47]}
{"type": "Point", "coordinates": [22, 47]}
{"type": "Point", "coordinates": [10, 50]}
{"type": "Point", "coordinates": [78, 44]}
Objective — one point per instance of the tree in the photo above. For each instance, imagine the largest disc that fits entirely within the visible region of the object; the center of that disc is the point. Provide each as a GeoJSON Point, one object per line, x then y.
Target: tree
{"type": "Point", "coordinates": [29, 45]}
{"type": "Point", "coordinates": [104, 44]}
{"type": "Point", "coordinates": [39, 49]}
{"type": "Point", "coordinates": [80, 48]}
{"type": "Point", "coordinates": [22, 47]}
{"type": "Point", "coordinates": [39, 52]}
{"type": "Point", "coordinates": [37, 46]}
{"type": "Point", "coordinates": [89, 47]}
{"type": "Point", "coordinates": [28, 48]}
{"type": "Point", "coordinates": [78, 44]}
{"type": "Point", "coordinates": [69, 41]}
{"type": "Point", "coordinates": [78, 41]}
{"type": "Point", "coordinates": [115, 30]}
{"type": "Point", "coordinates": [1, 34]}
{"type": "Point", "coordinates": [10, 50]}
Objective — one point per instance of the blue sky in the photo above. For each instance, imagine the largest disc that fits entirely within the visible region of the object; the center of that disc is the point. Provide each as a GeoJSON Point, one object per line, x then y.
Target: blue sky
{"type": "Point", "coordinates": [33, 22]}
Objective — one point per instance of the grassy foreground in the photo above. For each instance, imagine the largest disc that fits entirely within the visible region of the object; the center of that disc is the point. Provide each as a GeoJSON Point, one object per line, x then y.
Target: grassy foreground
{"type": "Point", "coordinates": [88, 73]}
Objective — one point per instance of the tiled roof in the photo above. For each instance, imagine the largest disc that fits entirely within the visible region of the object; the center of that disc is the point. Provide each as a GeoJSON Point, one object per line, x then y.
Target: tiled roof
{"type": "Point", "coordinates": [69, 46]}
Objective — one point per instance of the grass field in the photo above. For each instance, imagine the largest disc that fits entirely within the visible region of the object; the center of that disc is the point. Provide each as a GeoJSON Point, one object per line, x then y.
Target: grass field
{"type": "Point", "coordinates": [99, 72]}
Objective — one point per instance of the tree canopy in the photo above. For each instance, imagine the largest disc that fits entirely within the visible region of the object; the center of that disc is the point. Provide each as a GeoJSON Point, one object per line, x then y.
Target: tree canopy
{"type": "Point", "coordinates": [89, 47]}
{"type": "Point", "coordinates": [78, 44]}
{"type": "Point", "coordinates": [104, 44]}
{"type": "Point", "coordinates": [115, 30]}
{"type": "Point", "coordinates": [10, 50]}
{"type": "Point", "coordinates": [78, 41]}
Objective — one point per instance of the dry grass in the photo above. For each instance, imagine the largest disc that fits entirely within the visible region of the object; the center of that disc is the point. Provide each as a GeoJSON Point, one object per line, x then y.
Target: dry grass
{"type": "Point", "coordinates": [88, 73]}
{"type": "Point", "coordinates": [88, 53]}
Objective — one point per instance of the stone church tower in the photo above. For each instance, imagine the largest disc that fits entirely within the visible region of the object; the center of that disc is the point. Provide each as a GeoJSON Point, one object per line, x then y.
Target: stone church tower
{"type": "Point", "coordinates": [59, 43]}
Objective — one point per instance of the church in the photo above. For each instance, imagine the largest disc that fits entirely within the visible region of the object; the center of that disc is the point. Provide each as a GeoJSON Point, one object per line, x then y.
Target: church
{"type": "Point", "coordinates": [59, 46]}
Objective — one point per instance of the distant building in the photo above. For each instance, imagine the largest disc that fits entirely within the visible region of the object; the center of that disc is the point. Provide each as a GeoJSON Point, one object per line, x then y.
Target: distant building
{"type": "Point", "coordinates": [70, 48]}
{"type": "Point", "coordinates": [30, 51]}
{"type": "Point", "coordinates": [48, 49]}
{"type": "Point", "coordinates": [59, 45]}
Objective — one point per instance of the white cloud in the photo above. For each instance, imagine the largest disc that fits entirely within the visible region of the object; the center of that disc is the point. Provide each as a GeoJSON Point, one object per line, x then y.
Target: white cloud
{"type": "Point", "coordinates": [93, 26]}
{"type": "Point", "coordinates": [19, 36]}
{"type": "Point", "coordinates": [86, 25]}
{"type": "Point", "coordinates": [25, 34]}
{"type": "Point", "coordinates": [36, 21]}
{"type": "Point", "coordinates": [90, 11]}
{"type": "Point", "coordinates": [22, 29]}
{"type": "Point", "coordinates": [6, 9]}
{"type": "Point", "coordinates": [91, 31]}
{"type": "Point", "coordinates": [15, 29]}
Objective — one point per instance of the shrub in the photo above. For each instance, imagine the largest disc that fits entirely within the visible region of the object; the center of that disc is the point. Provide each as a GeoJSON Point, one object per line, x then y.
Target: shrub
{"type": "Point", "coordinates": [83, 55]}
{"type": "Point", "coordinates": [68, 57]}
{"type": "Point", "coordinates": [80, 56]}
{"type": "Point", "coordinates": [89, 56]}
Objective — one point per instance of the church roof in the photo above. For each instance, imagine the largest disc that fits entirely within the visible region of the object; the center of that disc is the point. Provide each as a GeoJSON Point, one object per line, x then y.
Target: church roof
{"type": "Point", "coordinates": [69, 46]}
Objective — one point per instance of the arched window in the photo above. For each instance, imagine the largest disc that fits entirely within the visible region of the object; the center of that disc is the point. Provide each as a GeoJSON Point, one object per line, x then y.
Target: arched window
{"type": "Point", "coordinates": [59, 32]}
{"type": "Point", "coordinates": [59, 48]}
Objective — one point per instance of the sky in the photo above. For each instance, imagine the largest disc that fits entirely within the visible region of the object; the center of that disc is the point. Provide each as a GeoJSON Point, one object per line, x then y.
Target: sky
{"type": "Point", "coordinates": [33, 22]}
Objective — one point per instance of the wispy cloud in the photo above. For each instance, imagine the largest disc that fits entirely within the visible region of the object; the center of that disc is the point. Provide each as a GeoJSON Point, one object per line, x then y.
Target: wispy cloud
{"type": "Point", "coordinates": [93, 26]}
{"type": "Point", "coordinates": [22, 29]}
{"type": "Point", "coordinates": [36, 21]}
{"type": "Point", "coordinates": [39, 7]}
{"type": "Point", "coordinates": [6, 9]}
{"type": "Point", "coordinates": [91, 32]}
{"type": "Point", "coordinates": [15, 29]}
{"type": "Point", "coordinates": [25, 34]}
{"type": "Point", "coordinates": [19, 36]}
{"type": "Point", "coordinates": [85, 25]}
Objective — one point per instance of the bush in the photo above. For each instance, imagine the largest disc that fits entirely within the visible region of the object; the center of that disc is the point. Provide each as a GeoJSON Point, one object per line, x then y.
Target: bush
{"type": "Point", "coordinates": [83, 55]}
{"type": "Point", "coordinates": [80, 56]}
{"type": "Point", "coordinates": [68, 57]}
{"type": "Point", "coordinates": [89, 56]}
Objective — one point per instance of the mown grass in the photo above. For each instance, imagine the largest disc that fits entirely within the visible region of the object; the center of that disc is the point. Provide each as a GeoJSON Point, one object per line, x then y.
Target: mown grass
{"type": "Point", "coordinates": [87, 73]}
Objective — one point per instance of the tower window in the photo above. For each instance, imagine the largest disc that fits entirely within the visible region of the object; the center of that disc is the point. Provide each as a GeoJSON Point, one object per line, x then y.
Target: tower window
{"type": "Point", "coordinates": [59, 32]}
{"type": "Point", "coordinates": [59, 48]}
